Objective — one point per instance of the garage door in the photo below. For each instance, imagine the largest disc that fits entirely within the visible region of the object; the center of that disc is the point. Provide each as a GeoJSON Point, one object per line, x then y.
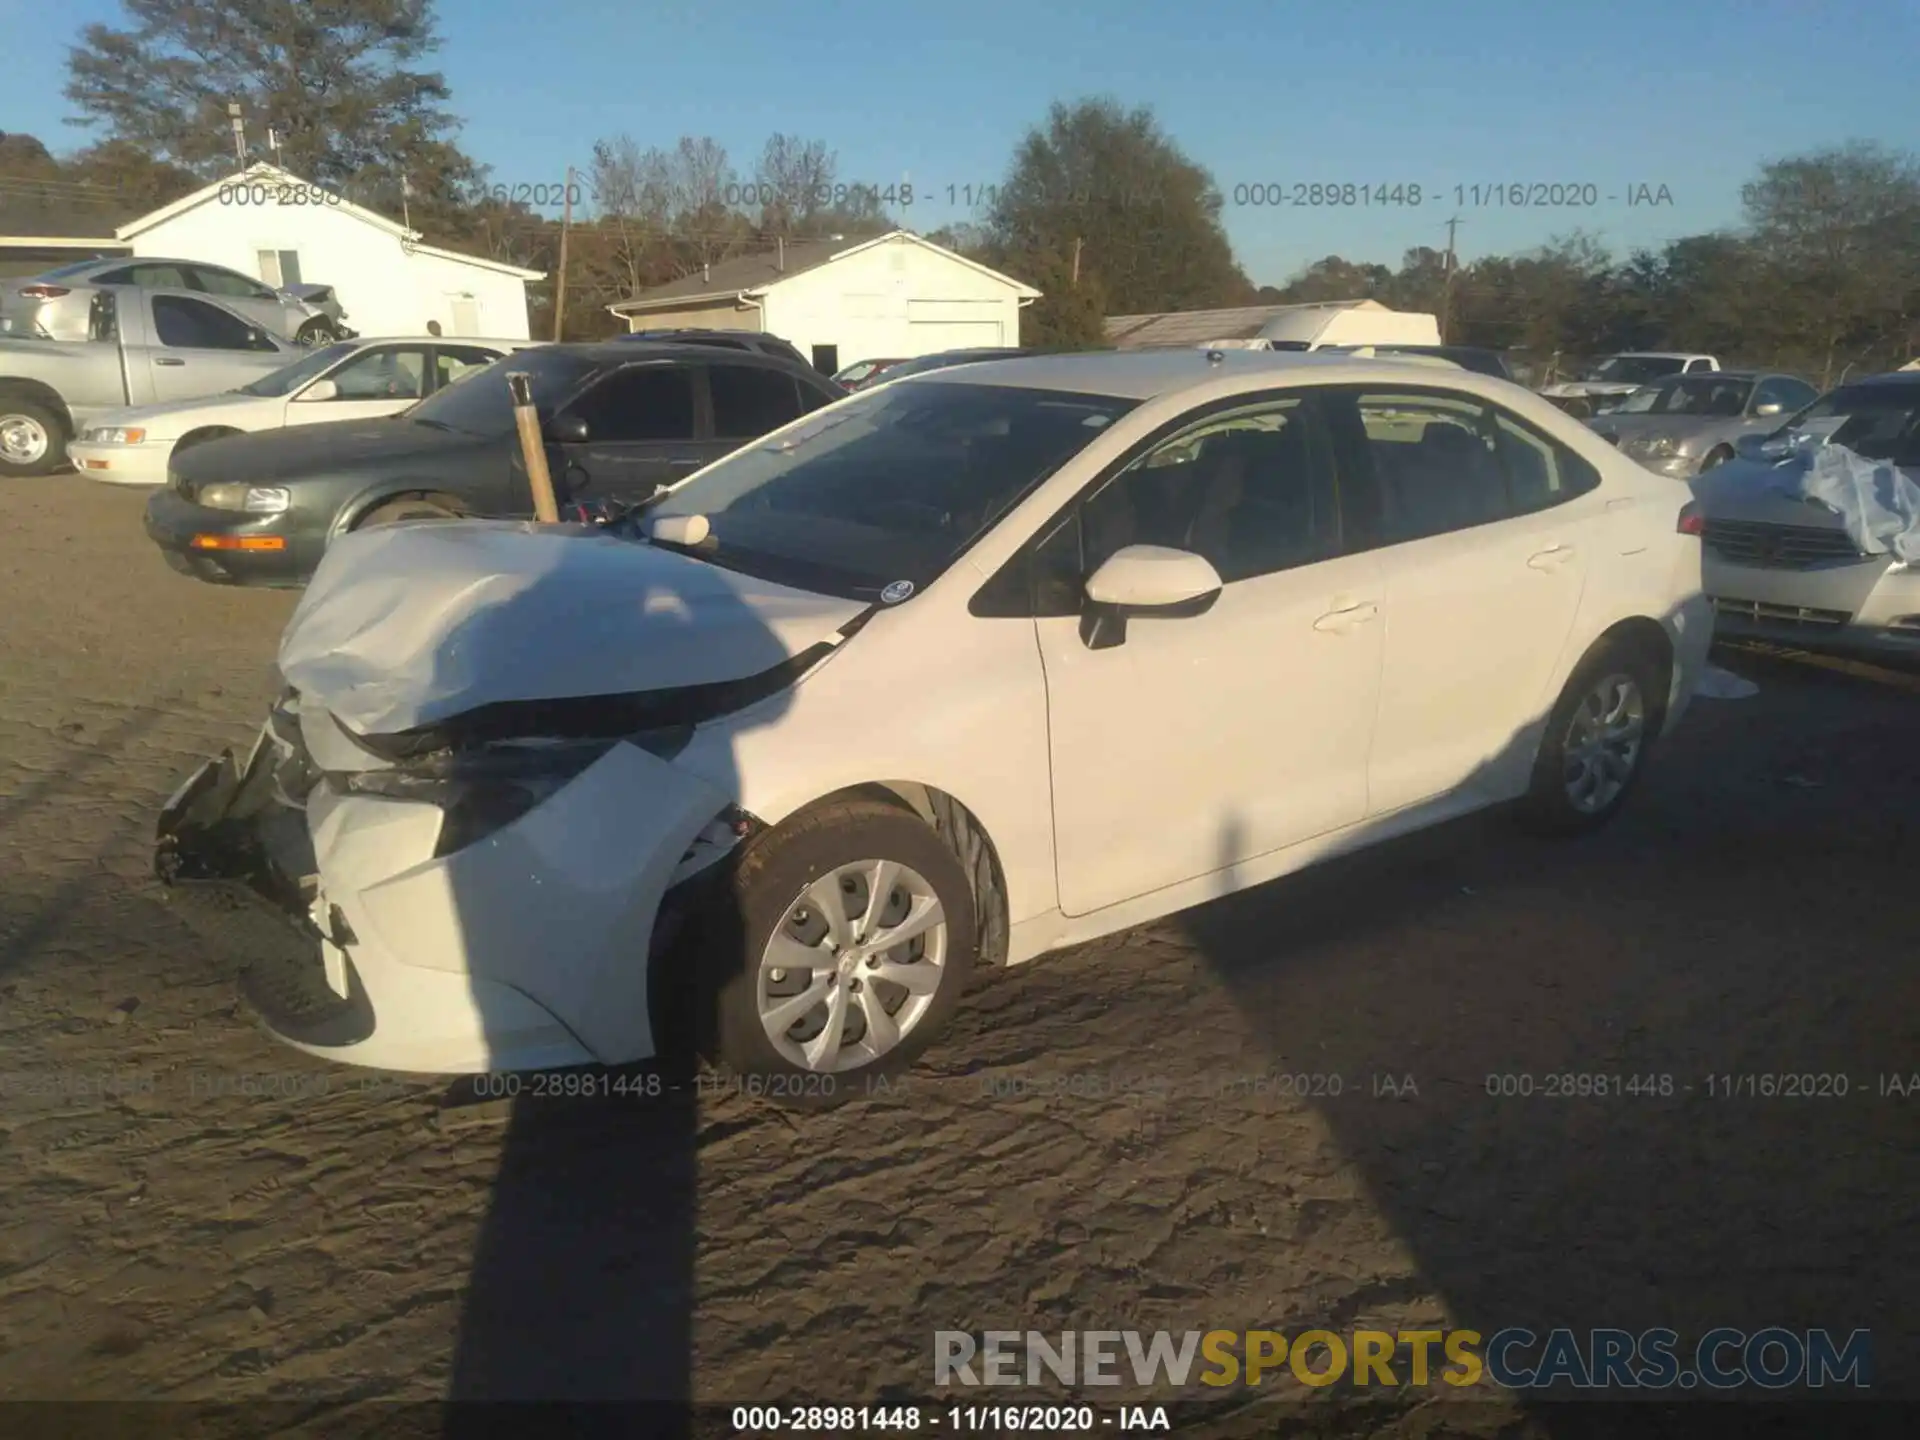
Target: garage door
{"type": "Point", "coordinates": [927, 337]}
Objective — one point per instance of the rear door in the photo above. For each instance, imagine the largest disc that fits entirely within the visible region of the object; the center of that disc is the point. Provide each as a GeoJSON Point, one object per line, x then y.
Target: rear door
{"type": "Point", "coordinates": [748, 401]}
{"type": "Point", "coordinates": [642, 432]}
{"type": "Point", "coordinates": [1484, 530]}
{"type": "Point", "coordinates": [197, 348]}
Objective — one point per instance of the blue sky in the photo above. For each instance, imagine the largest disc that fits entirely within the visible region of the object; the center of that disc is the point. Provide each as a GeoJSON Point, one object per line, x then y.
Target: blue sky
{"type": "Point", "coordinates": [1689, 94]}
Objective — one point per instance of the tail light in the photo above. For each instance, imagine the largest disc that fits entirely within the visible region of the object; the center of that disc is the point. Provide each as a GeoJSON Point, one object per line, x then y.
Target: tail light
{"type": "Point", "coordinates": [43, 292]}
{"type": "Point", "coordinates": [1692, 522]}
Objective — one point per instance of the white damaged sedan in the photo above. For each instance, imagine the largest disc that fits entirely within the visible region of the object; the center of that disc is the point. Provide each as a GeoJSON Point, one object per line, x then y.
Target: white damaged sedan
{"type": "Point", "coordinates": [962, 669]}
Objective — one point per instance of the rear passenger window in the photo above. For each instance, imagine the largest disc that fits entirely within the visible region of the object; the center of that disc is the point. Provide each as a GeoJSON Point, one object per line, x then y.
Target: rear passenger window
{"type": "Point", "coordinates": [1541, 472]}
{"type": "Point", "coordinates": [749, 401]}
{"type": "Point", "coordinates": [1434, 463]}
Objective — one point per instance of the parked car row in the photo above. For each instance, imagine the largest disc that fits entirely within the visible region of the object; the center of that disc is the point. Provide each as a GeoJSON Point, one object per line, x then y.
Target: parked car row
{"type": "Point", "coordinates": [963, 668]}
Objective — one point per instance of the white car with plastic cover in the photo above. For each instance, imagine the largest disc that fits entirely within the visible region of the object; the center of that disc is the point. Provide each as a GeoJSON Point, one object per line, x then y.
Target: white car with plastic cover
{"type": "Point", "coordinates": [963, 669]}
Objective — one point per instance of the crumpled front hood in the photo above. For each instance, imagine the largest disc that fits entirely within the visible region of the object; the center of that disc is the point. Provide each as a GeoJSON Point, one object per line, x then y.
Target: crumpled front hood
{"type": "Point", "coordinates": [409, 625]}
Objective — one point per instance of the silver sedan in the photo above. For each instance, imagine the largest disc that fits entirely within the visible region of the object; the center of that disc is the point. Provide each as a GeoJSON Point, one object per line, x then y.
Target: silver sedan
{"type": "Point", "coordinates": [1692, 423]}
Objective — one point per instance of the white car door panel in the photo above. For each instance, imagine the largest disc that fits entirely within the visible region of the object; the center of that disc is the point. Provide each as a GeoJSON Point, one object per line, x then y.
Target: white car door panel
{"type": "Point", "coordinates": [1501, 526]}
{"type": "Point", "coordinates": [1204, 741]}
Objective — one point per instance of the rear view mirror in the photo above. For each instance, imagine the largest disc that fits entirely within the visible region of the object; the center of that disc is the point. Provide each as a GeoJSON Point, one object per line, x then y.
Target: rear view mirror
{"type": "Point", "coordinates": [1145, 580]}
{"type": "Point", "coordinates": [567, 430]}
{"type": "Point", "coordinates": [321, 390]}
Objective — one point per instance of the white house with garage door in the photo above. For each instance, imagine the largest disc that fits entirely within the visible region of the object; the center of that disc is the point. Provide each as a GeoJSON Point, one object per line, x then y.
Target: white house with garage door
{"type": "Point", "coordinates": [273, 224]}
{"type": "Point", "coordinates": [889, 298]}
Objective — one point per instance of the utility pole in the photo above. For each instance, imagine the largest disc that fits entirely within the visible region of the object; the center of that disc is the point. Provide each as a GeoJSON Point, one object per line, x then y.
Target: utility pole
{"type": "Point", "coordinates": [406, 194]}
{"type": "Point", "coordinates": [1446, 283]}
{"type": "Point", "coordinates": [560, 286]}
{"type": "Point", "coordinates": [1076, 261]}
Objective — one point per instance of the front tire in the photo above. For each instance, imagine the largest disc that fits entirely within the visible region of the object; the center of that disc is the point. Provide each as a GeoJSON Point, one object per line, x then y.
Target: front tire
{"type": "Point", "coordinates": [1717, 457]}
{"type": "Point", "coordinates": [317, 332]}
{"type": "Point", "coordinates": [1595, 746]}
{"type": "Point", "coordinates": [837, 952]}
{"type": "Point", "coordinates": [394, 511]}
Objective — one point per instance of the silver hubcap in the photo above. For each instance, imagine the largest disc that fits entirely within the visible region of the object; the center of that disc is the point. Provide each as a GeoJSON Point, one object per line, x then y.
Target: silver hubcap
{"type": "Point", "coordinates": [853, 966]}
{"type": "Point", "coordinates": [1603, 743]}
{"type": "Point", "coordinates": [22, 440]}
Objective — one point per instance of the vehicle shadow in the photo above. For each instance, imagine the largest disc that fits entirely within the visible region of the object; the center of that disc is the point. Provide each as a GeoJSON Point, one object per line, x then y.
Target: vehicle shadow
{"type": "Point", "coordinates": [1641, 1195]}
{"type": "Point", "coordinates": [582, 1283]}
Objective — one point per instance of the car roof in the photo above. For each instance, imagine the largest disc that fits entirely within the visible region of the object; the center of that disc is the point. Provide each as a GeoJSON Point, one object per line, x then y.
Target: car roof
{"type": "Point", "coordinates": [623, 352]}
{"type": "Point", "coordinates": [1150, 374]}
{"type": "Point", "coordinates": [367, 342]}
{"type": "Point", "coordinates": [1891, 377]}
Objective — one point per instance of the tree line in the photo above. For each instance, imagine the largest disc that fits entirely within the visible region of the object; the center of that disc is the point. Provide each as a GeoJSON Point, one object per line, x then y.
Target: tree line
{"type": "Point", "coordinates": [1099, 208]}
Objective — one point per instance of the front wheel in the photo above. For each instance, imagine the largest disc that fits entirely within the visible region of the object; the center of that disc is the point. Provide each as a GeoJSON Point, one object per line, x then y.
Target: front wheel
{"type": "Point", "coordinates": [1717, 457]}
{"type": "Point", "coordinates": [317, 332]}
{"type": "Point", "coordinates": [837, 953]}
{"type": "Point", "coordinates": [1595, 746]}
{"type": "Point", "coordinates": [394, 511]}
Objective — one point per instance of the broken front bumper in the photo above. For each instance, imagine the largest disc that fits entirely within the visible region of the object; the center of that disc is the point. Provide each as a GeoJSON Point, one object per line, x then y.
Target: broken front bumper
{"type": "Point", "coordinates": [528, 949]}
{"type": "Point", "coordinates": [228, 833]}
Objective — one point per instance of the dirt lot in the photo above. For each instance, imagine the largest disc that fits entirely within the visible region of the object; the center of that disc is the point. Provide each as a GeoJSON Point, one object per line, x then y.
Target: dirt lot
{"type": "Point", "coordinates": [167, 1232]}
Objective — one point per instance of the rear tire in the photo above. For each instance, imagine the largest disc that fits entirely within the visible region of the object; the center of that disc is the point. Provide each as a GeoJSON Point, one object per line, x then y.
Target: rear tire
{"type": "Point", "coordinates": [772, 937]}
{"type": "Point", "coordinates": [1595, 746]}
{"type": "Point", "coordinates": [32, 439]}
{"type": "Point", "coordinates": [414, 508]}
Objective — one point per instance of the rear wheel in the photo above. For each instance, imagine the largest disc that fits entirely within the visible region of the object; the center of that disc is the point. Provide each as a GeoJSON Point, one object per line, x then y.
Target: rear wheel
{"type": "Point", "coordinates": [31, 438]}
{"type": "Point", "coordinates": [410, 508]}
{"type": "Point", "coordinates": [837, 953]}
{"type": "Point", "coordinates": [1595, 746]}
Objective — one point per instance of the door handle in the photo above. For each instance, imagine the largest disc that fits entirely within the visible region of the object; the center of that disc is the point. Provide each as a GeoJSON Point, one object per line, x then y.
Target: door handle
{"type": "Point", "coordinates": [1338, 622]}
{"type": "Point", "coordinates": [168, 360]}
{"type": "Point", "coordinates": [1552, 558]}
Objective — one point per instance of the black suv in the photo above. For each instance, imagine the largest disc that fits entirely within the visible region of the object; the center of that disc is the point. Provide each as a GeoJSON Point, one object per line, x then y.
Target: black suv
{"type": "Point", "coordinates": [752, 341]}
{"type": "Point", "coordinates": [620, 420]}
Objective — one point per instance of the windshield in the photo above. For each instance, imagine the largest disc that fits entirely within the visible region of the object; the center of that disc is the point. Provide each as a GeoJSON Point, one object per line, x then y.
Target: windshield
{"type": "Point", "coordinates": [894, 484]}
{"type": "Point", "coordinates": [1639, 402]}
{"type": "Point", "coordinates": [1879, 422]}
{"type": "Point", "coordinates": [1636, 369]}
{"type": "Point", "coordinates": [480, 405]}
{"type": "Point", "coordinates": [289, 378]}
{"type": "Point", "coordinates": [1704, 395]}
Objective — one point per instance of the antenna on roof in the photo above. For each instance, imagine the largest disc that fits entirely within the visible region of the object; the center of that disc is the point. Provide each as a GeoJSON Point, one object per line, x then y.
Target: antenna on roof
{"type": "Point", "coordinates": [239, 132]}
{"type": "Point", "coordinates": [706, 270]}
{"type": "Point", "coordinates": [273, 142]}
{"type": "Point", "coordinates": [781, 263]}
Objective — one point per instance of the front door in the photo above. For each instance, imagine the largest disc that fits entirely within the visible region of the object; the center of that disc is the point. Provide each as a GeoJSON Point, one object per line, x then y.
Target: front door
{"type": "Point", "coordinates": [201, 349]}
{"type": "Point", "coordinates": [642, 432]}
{"type": "Point", "coordinates": [380, 381]}
{"type": "Point", "coordinates": [1485, 529]}
{"type": "Point", "coordinates": [1204, 741]}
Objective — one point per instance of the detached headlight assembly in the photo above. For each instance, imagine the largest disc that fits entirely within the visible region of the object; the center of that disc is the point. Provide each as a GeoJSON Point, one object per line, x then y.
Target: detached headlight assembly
{"type": "Point", "coordinates": [252, 499]}
{"type": "Point", "coordinates": [114, 435]}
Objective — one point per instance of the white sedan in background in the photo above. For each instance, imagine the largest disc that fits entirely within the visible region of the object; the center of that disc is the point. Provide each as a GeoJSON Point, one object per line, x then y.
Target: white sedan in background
{"type": "Point", "coordinates": [350, 380]}
{"type": "Point", "coordinates": [962, 669]}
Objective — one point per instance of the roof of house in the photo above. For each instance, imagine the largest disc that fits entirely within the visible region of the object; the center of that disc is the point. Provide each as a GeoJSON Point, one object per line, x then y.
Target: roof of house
{"type": "Point", "coordinates": [273, 174]}
{"type": "Point", "coordinates": [1196, 327]}
{"type": "Point", "coordinates": [751, 274]}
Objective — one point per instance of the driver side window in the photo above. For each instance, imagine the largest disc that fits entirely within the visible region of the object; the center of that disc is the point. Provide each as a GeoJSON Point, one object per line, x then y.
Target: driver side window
{"type": "Point", "coordinates": [381, 375]}
{"type": "Point", "coordinates": [1247, 489]}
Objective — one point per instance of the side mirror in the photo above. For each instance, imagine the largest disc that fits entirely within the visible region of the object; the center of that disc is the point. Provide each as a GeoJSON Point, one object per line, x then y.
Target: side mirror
{"type": "Point", "coordinates": [566, 430]}
{"type": "Point", "coordinates": [1772, 407]}
{"type": "Point", "coordinates": [321, 390]}
{"type": "Point", "coordinates": [1145, 580]}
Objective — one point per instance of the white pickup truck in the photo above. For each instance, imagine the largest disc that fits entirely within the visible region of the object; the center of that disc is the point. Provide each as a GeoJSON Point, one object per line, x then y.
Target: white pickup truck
{"type": "Point", "coordinates": [1618, 376]}
{"type": "Point", "coordinates": [147, 347]}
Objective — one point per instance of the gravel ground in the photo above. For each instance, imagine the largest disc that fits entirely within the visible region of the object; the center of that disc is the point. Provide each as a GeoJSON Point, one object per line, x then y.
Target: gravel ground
{"type": "Point", "coordinates": [190, 1211]}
